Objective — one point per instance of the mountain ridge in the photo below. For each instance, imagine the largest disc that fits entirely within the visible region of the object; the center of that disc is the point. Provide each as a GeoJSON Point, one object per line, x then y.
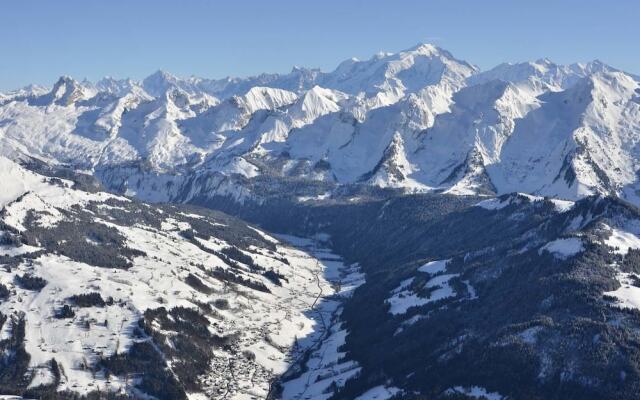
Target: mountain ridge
{"type": "Point", "coordinates": [335, 126]}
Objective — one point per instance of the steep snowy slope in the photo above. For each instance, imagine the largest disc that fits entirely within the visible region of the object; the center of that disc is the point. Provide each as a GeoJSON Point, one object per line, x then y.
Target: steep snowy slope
{"type": "Point", "coordinates": [461, 143]}
{"type": "Point", "coordinates": [579, 142]}
{"type": "Point", "coordinates": [315, 103]}
{"type": "Point", "coordinates": [101, 293]}
{"type": "Point", "coordinates": [352, 150]}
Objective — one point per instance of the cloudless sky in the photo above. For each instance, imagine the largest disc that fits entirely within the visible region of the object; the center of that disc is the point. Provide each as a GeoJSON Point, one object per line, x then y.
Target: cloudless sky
{"type": "Point", "coordinates": [42, 40]}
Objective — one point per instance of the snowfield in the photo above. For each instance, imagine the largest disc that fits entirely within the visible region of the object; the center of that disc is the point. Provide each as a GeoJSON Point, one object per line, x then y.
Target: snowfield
{"type": "Point", "coordinates": [433, 267]}
{"type": "Point", "coordinates": [628, 294]}
{"type": "Point", "coordinates": [438, 286]}
{"type": "Point", "coordinates": [475, 392]}
{"type": "Point", "coordinates": [623, 240]}
{"type": "Point", "coordinates": [379, 393]}
{"type": "Point", "coordinates": [564, 248]}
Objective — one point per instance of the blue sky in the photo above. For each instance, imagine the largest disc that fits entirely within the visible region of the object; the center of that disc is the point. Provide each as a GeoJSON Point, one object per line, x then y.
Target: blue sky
{"type": "Point", "coordinates": [90, 39]}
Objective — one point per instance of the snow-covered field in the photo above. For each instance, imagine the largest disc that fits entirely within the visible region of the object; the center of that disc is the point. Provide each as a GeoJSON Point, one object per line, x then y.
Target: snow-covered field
{"type": "Point", "coordinates": [564, 248]}
{"type": "Point", "coordinates": [622, 239]}
{"type": "Point", "coordinates": [379, 393]}
{"type": "Point", "coordinates": [403, 297]}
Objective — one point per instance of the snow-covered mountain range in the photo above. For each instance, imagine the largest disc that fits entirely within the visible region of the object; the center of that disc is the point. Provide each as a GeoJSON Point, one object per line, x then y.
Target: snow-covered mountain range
{"type": "Point", "coordinates": [418, 120]}
{"type": "Point", "coordinates": [401, 169]}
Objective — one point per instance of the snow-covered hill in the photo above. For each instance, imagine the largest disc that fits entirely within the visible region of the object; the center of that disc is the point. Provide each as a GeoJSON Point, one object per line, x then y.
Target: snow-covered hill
{"type": "Point", "coordinates": [418, 120]}
{"type": "Point", "coordinates": [99, 293]}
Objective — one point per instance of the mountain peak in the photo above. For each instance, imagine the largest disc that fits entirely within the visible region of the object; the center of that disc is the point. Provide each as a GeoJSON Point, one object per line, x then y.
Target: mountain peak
{"type": "Point", "coordinates": [65, 92]}
{"type": "Point", "coordinates": [543, 61]}
{"type": "Point", "coordinates": [162, 74]}
{"type": "Point", "coordinates": [426, 49]}
{"type": "Point", "coordinates": [265, 98]}
{"type": "Point", "coordinates": [65, 80]}
{"type": "Point", "coordinates": [159, 82]}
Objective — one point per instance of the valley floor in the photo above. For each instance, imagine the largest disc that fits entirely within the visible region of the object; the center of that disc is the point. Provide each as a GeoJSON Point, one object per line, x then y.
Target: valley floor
{"type": "Point", "coordinates": [321, 366]}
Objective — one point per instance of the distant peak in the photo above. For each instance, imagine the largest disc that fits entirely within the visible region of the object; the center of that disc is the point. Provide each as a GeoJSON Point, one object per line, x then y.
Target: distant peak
{"type": "Point", "coordinates": [318, 93]}
{"type": "Point", "coordinates": [66, 83]}
{"type": "Point", "coordinates": [65, 79]}
{"type": "Point", "coordinates": [65, 91]}
{"type": "Point", "coordinates": [162, 74]}
{"type": "Point", "coordinates": [317, 89]}
{"type": "Point", "coordinates": [544, 61]}
{"type": "Point", "coordinates": [433, 51]}
{"type": "Point", "coordinates": [159, 82]}
{"type": "Point", "coordinates": [599, 65]}
{"type": "Point", "coordinates": [424, 48]}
